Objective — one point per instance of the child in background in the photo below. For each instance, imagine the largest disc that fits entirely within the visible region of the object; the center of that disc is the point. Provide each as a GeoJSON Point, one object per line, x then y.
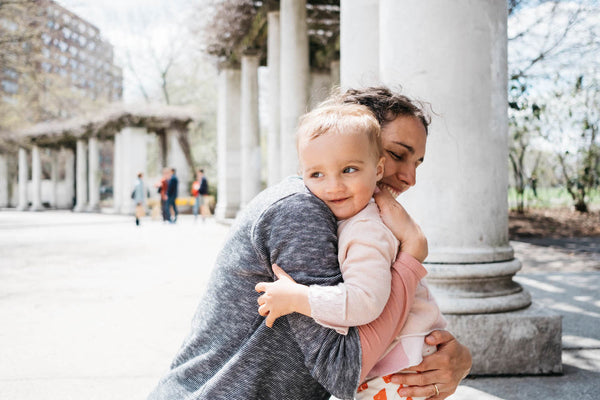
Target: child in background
{"type": "Point", "coordinates": [340, 155]}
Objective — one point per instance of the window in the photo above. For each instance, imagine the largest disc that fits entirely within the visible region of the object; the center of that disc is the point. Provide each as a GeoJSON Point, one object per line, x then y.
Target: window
{"type": "Point", "coordinates": [9, 86]}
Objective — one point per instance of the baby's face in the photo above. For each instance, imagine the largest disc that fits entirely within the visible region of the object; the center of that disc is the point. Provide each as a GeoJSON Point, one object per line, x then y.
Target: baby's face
{"type": "Point", "coordinates": [342, 170]}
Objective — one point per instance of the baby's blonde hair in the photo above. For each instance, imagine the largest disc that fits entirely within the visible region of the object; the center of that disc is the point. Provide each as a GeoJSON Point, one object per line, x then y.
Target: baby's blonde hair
{"type": "Point", "coordinates": [340, 119]}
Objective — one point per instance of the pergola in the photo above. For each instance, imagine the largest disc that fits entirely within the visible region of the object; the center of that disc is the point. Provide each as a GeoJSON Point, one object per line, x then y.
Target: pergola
{"type": "Point", "coordinates": [127, 126]}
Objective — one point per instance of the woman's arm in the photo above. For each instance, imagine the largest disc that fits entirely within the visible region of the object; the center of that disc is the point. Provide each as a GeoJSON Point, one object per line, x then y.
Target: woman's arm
{"type": "Point", "coordinates": [452, 362]}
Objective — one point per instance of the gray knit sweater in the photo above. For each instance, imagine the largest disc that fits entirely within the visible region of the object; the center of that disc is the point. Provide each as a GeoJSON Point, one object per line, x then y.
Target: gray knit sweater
{"type": "Point", "coordinates": [230, 353]}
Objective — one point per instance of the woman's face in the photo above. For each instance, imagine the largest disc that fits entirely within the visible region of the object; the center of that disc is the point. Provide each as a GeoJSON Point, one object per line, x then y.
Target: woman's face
{"type": "Point", "coordinates": [404, 141]}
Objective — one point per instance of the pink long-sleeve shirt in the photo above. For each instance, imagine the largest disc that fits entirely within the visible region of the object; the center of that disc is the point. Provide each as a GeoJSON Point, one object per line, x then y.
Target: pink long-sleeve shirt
{"type": "Point", "coordinates": [366, 249]}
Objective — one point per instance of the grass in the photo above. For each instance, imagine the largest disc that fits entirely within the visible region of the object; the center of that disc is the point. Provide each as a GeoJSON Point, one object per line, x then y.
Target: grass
{"type": "Point", "coordinates": [550, 198]}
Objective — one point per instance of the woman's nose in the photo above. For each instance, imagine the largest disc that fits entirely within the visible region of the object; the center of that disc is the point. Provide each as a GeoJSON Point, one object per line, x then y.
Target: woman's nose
{"type": "Point", "coordinates": [409, 175]}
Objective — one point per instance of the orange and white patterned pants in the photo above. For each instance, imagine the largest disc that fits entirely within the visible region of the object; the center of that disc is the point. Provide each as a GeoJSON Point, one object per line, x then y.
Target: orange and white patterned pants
{"type": "Point", "coordinates": [382, 388]}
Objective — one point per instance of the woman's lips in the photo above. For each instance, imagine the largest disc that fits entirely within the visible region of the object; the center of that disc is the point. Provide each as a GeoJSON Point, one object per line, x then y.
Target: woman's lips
{"type": "Point", "coordinates": [395, 192]}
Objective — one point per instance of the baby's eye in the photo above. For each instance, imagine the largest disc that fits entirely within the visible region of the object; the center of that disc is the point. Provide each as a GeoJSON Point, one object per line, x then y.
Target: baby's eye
{"type": "Point", "coordinates": [349, 170]}
{"type": "Point", "coordinates": [316, 175]}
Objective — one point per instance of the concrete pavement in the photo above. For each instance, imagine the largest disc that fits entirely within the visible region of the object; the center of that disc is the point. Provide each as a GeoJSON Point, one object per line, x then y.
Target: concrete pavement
{"type": "Point", "coordinates": [93, 307]}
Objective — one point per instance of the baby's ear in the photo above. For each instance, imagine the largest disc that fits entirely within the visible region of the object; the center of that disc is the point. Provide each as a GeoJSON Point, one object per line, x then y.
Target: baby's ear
{"type": "Point", "coordinates": [380, 168]}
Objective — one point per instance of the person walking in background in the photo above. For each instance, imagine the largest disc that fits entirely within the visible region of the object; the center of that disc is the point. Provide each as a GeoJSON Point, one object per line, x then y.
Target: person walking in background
{"type": "Point", "coordinates": [162, 186]}
{"type": "Point", "coordinates": [139, 198]}
{"type": "Point", "coordinates": [172, 190]}
{"type": "Point", "coordinates": [200, 192]}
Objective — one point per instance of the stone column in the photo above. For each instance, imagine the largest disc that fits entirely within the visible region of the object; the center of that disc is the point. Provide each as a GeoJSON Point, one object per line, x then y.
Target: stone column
{"type": "Point", "coordinates": [295, 78]}
{"type": "Point", "coordinates": [176, 159]}
{"type": "Point", "coordinates": [117, 172]}
{"type": "Point", "coordinates": [81, 183]}
{"type": "Point", "coordinates": [334, 73]}
{"type": "Point", "coordinates": [133, 161]}
{"type": "Point", "coordinates": [249, 131]}
{"type": "Point", "coordinates": [54, 178]}
{"type": "Point", "coordinates": [23, 180]}
{"type": "Point", "coordinates": [94, 175]}
{"type": "Point", "coordinates": [359, 43]}
{"type": "Point", "coordinates": [36, 179]}
{"type": "Point", "coordinates": [461, 197]}
{"type": "Point", "coordinates": [4, 200]}
{"type": "Point", "coordinates": [274, 88]}
{"type": "Point", "coordinates": [320, 87]}
{"type": "Point", "coordinates": [228, 144]}
{"type": "Point", "coordinates": [69, 176]}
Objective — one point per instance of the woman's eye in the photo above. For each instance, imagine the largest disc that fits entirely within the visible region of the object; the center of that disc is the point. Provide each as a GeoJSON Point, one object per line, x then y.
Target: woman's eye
{"type": "Point", "coordinates": [395, 156]}
{"type": "Point", "coordinates": [349, 170]}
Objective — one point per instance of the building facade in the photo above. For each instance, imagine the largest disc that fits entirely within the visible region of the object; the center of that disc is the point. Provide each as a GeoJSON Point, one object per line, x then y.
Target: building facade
{"type": "Point", "coordinates": [57, 44]}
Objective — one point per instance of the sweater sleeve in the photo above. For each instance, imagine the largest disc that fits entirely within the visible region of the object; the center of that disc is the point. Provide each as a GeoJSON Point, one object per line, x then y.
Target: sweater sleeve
{"type": "Point", "coordinates": [379, 334]}
{"type": "Point", "coordinates": [366, 251]}
{"type": "Point", "coordinates": [299, 233]}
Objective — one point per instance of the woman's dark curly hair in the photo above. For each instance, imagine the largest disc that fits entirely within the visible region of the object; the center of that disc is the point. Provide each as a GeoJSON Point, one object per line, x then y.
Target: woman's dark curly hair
{"type": "Point", "coordinates": [385, 104]}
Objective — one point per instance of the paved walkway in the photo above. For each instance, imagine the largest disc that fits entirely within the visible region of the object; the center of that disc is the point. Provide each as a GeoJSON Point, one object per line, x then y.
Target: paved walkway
{"type": "Point", "coordinates": [92, 307]}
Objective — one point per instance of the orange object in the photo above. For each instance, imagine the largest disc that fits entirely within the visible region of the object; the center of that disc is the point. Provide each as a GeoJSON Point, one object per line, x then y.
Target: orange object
{"type": "Point", "coordinates": [362, 387]}
{"type": "Point", "coordinates": [380, 395]}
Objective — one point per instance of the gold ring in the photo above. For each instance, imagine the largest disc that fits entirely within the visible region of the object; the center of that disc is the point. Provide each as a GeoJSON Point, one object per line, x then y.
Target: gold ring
{"type": "Point", "coordinates": [437, 391]}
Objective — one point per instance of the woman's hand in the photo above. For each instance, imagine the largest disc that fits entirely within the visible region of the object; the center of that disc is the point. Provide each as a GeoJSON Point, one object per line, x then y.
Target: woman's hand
{"type": "Point", "coordinates": [282, 297]}
{"type": "Point", "coordinates": [394, 216]}
{"type": "Point", "coordinates": [444, 369]}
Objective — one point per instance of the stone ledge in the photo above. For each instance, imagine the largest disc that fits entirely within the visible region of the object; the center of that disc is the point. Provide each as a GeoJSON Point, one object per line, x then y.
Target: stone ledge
{"type": "Point", "coordinates": [524, 342]}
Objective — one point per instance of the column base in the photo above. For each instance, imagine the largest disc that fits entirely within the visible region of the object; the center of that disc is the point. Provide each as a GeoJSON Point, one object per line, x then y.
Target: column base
{"type": "Point", "coordinates": [36, 207]}
{"type": "Point", "coordinates": [95, 208]}
{"type": "Point", "coordinates": [524, 342]}
{"type": "Point", "coordinates": [226, 211]}
{"type": "Point", "coordinates": [80, 208]}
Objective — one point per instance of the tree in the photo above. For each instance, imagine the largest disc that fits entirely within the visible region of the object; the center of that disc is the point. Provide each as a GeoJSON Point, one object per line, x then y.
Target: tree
{"type": "Point", "coordinates": [548, 40]}
{"type": "Point", "coordinates": [579, 125]}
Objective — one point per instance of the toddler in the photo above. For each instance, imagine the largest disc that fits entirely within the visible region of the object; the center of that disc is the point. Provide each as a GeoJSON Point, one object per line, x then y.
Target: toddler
{"type": "Point", "coordinates": [341, 160]}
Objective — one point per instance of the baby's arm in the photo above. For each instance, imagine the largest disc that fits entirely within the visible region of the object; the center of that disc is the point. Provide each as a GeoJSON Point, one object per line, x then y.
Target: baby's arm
{"type": "Point", "coordinates": [367, 250]}
{"type": "Point", "coordinates": [282, 297]}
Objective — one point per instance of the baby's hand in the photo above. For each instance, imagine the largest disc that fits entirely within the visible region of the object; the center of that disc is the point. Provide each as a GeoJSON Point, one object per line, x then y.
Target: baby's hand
{"type": "Point", "coordinates": [282, 297]}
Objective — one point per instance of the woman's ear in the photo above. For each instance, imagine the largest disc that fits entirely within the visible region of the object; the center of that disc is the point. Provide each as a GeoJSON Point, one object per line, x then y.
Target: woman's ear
{"type": "Point", "coordinates": [380, 168]}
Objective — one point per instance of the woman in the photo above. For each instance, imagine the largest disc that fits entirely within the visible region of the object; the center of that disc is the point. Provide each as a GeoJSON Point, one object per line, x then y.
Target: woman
{"type": "Point", "coordinates": [230, 353]}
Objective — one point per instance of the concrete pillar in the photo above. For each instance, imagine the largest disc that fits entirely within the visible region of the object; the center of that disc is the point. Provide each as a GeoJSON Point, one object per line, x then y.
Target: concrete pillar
{"type": "Point", "coordinates": [81, 176]}
{"type": "Point", "coordinates": [54, 178]}
{"type": "Point", "coordinates": [274, 89]}
{"type": "Point", "coordinates": [359, 43]}
{"type": "Point", "coordinates": [94, 175]}
{"type": "Point", "coordinates": [176, 159]}
{"type": "Point", "coordinates": [295, 78]}
{"type": "Point", "coordinates": [228, 144]}
{"type": "Point", "coordinates": [23, 180]}
{"type": "Point", "coordinates": [133, 161]}
{"type": "Point", "coordinates": [334, 73]}
{"type": "Point", "coordinates": [36, 179]}
{"type": "Point", "coordinates": [117, 172]}
{"type": "Point", "coordinates": [69, 176]}
{"type": "Point", "coordinates": [4, 201]}
{"type": "Point", "coordinates": [320, 88]}
{"type": "Point", "coordinates": [461, 197]}
{"type": "Point", "coordinates": [249, 131]}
